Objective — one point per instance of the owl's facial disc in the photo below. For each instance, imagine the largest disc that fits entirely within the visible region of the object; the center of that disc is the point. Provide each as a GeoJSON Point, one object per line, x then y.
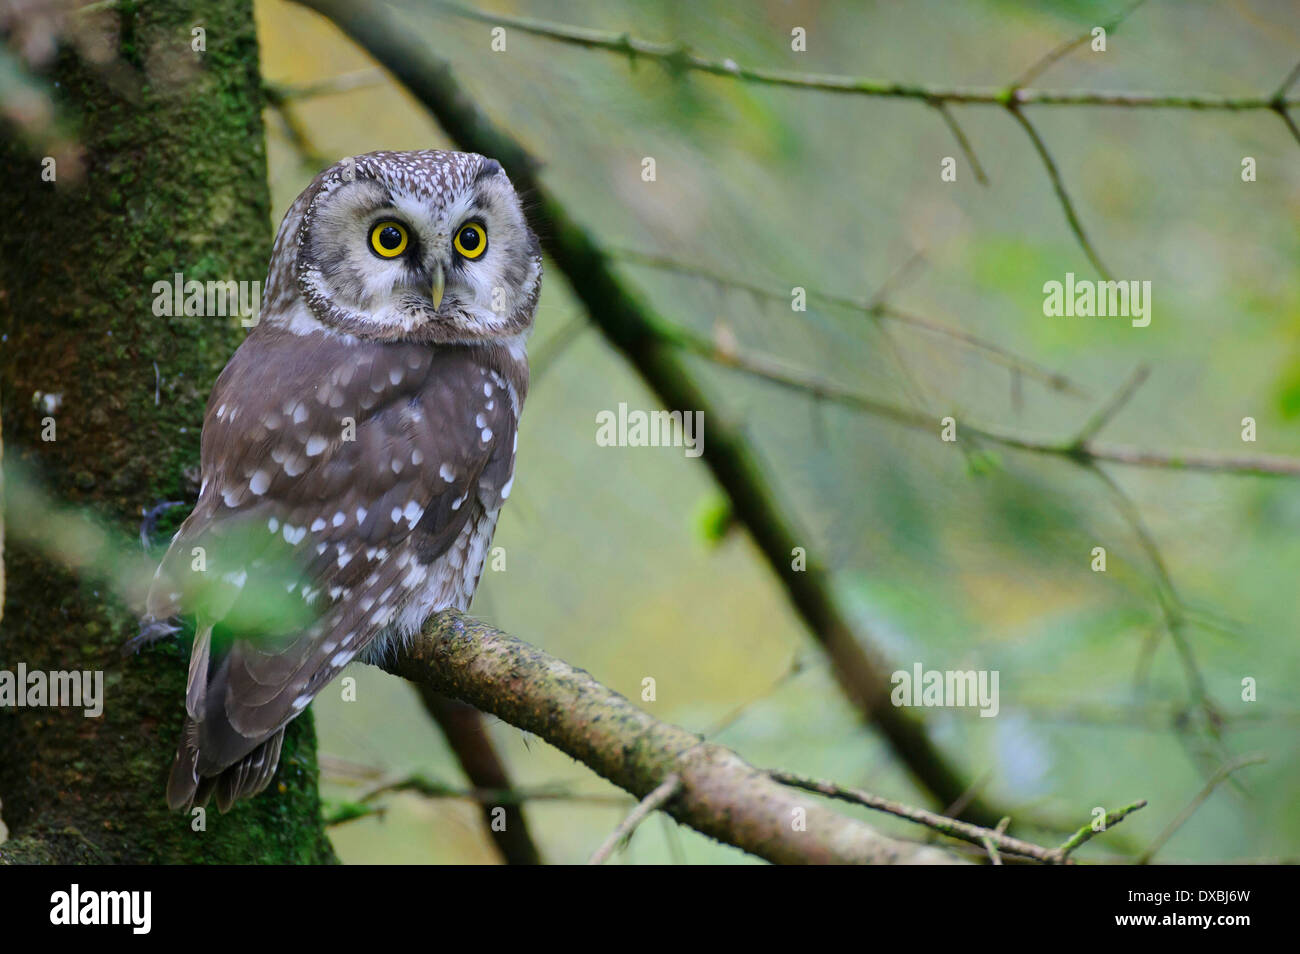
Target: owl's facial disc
{"type": "Point", "coordinates": [424, 246]}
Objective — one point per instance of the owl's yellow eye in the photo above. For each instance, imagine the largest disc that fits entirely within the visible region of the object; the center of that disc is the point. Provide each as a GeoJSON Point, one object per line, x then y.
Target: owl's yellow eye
{"type": "Point", "coordinates": [389, 239]}
{"type": "Point", "coordinates": [471, 240]}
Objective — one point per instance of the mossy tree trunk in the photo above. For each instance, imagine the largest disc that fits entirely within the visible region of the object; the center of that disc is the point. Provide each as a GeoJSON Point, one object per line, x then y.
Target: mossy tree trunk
{"type": "Point", "coordinates": [175, 181]}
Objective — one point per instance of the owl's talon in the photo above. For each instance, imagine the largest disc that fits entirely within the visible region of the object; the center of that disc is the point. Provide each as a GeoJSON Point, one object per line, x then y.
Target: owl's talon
{"type": "Point", "coordinates": [151, 631]}
{"type": "Point", "coordinates": [150, 518]}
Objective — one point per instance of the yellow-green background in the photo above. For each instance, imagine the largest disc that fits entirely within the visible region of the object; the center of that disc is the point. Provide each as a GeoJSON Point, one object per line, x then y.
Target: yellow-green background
{"type": "Point", "coordinates": [607, 566]}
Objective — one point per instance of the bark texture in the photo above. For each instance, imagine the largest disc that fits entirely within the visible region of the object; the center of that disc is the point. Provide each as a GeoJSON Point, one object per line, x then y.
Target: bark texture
{"type": "Point", "coordinates": [175, 181]}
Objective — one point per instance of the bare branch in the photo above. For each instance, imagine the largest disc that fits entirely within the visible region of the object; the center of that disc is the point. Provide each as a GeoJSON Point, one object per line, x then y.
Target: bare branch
{"type": "Point", "coordinates": [876, 307]}
{"type": "Point", "coordinates": [1219, 777]}
{"type": "Point", "coordinates": [1089, 452]}
{"type": "Point", "coordinates": [1058, 186]}
{"type": "Point", "coordinates": [962, 140]}
{"type": "Point", "coordinates": [678, 57]}
{"type": "Point", "coordinates": [1058, 53]}
{"type": "Point", "coordinates": [720, 794]}
{"type": "Point", "coordinates": [1106, 413]}
{"type": "Point", "coordinates": [986, 837]}
{"type": "Point", "coordinates": [467, 735]}
{"type": "Point", "coordinates": [1087, 832]}
{"type": "Point", "coordinates": [648, 805]}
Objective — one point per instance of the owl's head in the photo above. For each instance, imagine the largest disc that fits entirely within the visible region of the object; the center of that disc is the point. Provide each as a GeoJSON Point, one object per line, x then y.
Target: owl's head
{"type": "Point", "coordinates": [416, 246]}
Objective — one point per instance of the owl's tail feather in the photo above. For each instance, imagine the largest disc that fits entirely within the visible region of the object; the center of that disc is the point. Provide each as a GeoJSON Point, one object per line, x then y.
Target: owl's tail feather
{"type": "Point", "coordinates": [243, 779]}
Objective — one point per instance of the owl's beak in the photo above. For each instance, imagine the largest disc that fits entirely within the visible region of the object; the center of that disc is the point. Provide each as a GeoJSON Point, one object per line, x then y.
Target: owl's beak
{"type": "Point", "coordinates": [439, 286]}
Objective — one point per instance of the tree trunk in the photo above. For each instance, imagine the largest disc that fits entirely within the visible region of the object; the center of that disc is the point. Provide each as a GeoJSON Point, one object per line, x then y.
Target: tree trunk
{"type": "Point", "coordinates": [175, 181]}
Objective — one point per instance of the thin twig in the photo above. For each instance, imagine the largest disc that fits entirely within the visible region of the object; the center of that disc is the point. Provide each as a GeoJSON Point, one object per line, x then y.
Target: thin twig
{"type": "Point", "coordinates": [1261, 465]}
{"type": "Point", "coordinates": [948, 826]}
{"type": "Point", "coordinates": [1178, 822]}
{"type": "Point", "coordinates": [679, 57]}
{"type": "Point", "coordinates": [1058, 186]}
{"type": "Point", "coordinates": [651, 803]}
{"type": "Point", "coordinates": [1087, 832]}
{"type": "Point", "coordinates": [874, 307]}
{"type": "Point", "coordinates": [1060, 52]}
{"type": "Point", "coordinates": [963, 141]}
{"type": "Point", "coordinates": [1106, 413]}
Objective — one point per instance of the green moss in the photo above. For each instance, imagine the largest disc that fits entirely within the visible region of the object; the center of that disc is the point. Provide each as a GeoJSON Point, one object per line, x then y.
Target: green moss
{"type": "Point", "coordinates": [175, 141]}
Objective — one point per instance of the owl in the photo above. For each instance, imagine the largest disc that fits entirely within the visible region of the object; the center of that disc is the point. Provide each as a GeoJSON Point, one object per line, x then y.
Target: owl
{"type": "Point", "coordinates": [356, 450]}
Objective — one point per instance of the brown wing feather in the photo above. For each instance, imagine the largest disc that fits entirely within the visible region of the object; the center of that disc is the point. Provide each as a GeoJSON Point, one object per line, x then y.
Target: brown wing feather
{"type": "Point", "coordinates": [351, 524]}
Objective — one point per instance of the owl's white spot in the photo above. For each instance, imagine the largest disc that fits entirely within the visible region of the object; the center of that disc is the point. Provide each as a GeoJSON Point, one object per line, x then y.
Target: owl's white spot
{"type": "Point", "coordinates": [336, 592]}
{"type": "Point", "coordinates": [336, 399]}
{"type": "Point", "coordinates": [417, 458]}
{"type": "Point", "coordinates": [380, 618]}
{"type": "Point", "coordinates": [344, 557]}
{"type": "Point", "coordinates": [294, 535]}
{"type": "Point", "coordinates": [515, 446]}
{"type": "Point", "coordinates": [294, 466]}
{"type": "Point", "coordinates": [490, 405]}
{"type": "Point", "coordinates": [395, 376]}
{"type": "Point", "coordinates": [446, 473]}
{"type": "Point", "coordinates": [236, 579]}
{"type": "Point", "coordinates": [480, 420]}
{"type": "Point", "coordinates": [487, 389]}
{"type": "Point", "coordinates": [322, 547]}
{"type": "Point", "coordinates": [230, 498]}
{"type": "Point", "coordinates": [273, 525]}
{"type": "Point", "coordinates": [366, 603]}
{"type": "Point", "coordinates": [272, 421]}
{"type": "Point", "coordinates": [300, 703]}
{"type": "Point", "coordinates": [338, 519]}
{"type": "Point", "coordinates": [203, 486]}
{"type": "Point", "coordinates": [455, 504]}
{"type": "Point", "coordinates": [288, 587]}
{"type": "Point", "coordinates": [395, 514]}
{"type": "Point", "coordinates": [361, 515]}
{"type": "Point", "coordinates": [299, 413]}
{"type": "Point", "coordinates": [316, 444]}
{"type": "Point", "coordinates": [221, 412]}
{"type": "Point", "coordinates": [317, 525]}
{"type": "Point", "coordinates": [505, 491]}
{"type": "Point", "coordinates": [341, 658]}
{"type": "Point", "coordinates": [485, 435]}
{"type": "Point", "coordinates": [259, 482]}
{"type": "Point", "coordinates": [413, 512]}
{"type": "Point", "coordinates": [396, 465]}
{"type": "Point", "coordinates": [403, 558]}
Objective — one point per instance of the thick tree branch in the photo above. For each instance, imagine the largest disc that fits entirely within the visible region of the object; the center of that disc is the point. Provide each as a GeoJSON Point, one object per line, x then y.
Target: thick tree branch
{"type": "Point", "coordinates": [720, 794]}
{"type": "Point", "coordinates": [467, 735]}
{"type": "Point", "coordinates": [632, 326]}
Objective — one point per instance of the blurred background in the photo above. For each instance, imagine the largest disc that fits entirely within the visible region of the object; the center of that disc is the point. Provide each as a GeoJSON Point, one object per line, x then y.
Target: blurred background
{"type": "Point", "coordinates": [615, 562]}
{"type": "Point", "coordinates": [971, 555]}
